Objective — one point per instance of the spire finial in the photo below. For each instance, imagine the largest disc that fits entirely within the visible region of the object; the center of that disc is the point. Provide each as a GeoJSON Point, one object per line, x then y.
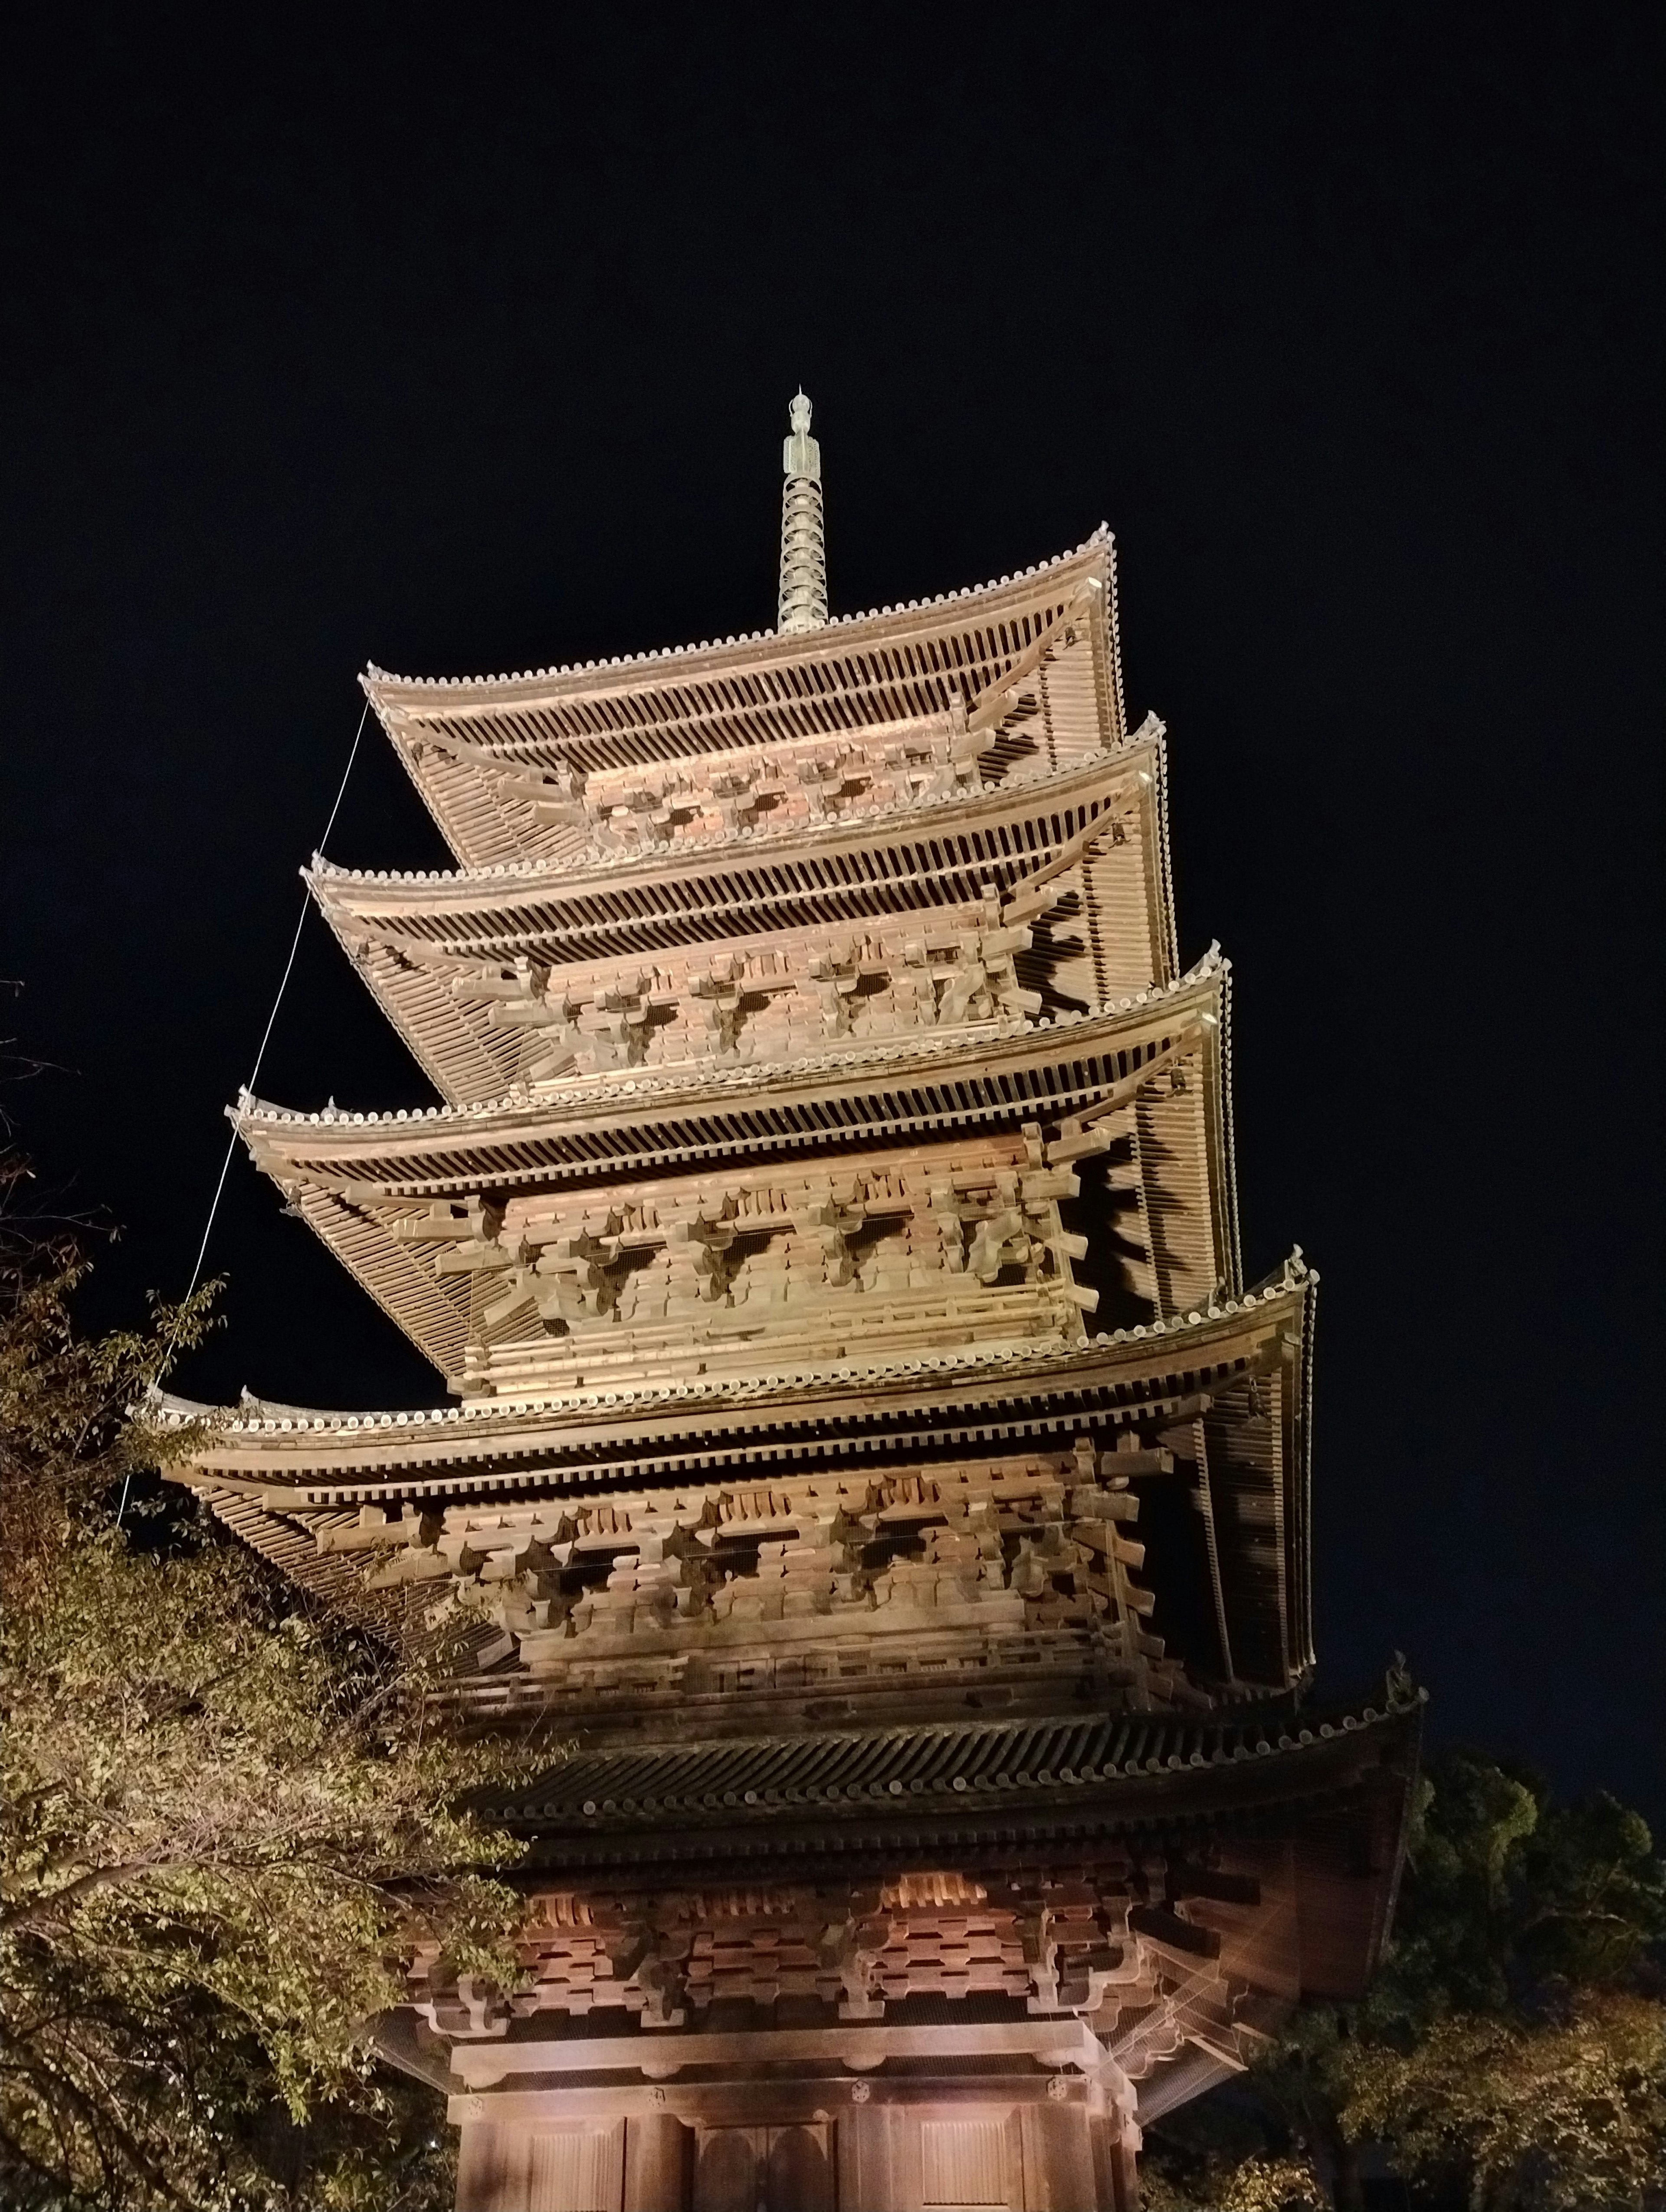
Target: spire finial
{"type": "Point", "coordinates": [803, 541]}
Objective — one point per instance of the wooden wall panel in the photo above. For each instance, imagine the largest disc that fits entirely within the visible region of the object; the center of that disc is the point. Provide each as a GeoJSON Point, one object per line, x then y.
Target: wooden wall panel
{"type": "Point", "coordinates": [965, 2162]}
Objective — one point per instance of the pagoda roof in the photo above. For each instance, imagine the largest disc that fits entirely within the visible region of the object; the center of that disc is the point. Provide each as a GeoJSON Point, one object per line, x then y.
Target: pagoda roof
{"type": "Point", "coordinates": [894, 663]}
{"type": "Point", "coordinates": [361, 1182]}
{"type": "Point", "coordinates": [531, 878]}
{"type": "Point", "coordinates": [574, 1128]}
{"type": "Point", "coordinates": [1155, 1371]}
{"type": "Point", "coordinates": [1334, 1785]}
{"type": "Point", "coordinates": [1112, 1771]}
{"type": "Point", "coordinates": [413, 936]}
{"type": "Point", "coordinates": [1229, 1385]}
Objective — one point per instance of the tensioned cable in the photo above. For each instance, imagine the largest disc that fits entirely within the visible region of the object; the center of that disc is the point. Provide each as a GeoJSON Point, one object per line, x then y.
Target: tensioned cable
{"type": "Point", "coordinates": [271, 1019]}
{"type": "Point", "coordinates": [266, 1039]}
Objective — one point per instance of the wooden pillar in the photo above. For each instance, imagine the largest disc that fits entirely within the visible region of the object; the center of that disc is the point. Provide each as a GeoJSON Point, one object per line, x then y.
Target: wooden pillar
{"type": "Point", "coordinates": [879, 2157]}
{"type": "Point", "coordinates": [657, 2165]}
{"type": "Point", "coordinates": [1115, 2147]}
{"type": "Point", "coordinates": [1058, 2159]}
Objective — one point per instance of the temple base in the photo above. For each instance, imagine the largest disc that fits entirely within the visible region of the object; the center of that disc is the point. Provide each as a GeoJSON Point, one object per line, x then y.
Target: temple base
{"type": "Point", "coordinates": [1024, 2142]}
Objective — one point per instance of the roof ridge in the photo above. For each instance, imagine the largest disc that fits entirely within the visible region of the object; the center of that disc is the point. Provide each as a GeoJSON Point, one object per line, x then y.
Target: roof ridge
{"type": "Point", "coordinates": [1151, 730]}
{"type": "Point", "coordinates": [643, 1085]}
{"type": "Point", "coordinates": [373, 674]}
{"type": "Point", "coordinates": [1295, 1274]}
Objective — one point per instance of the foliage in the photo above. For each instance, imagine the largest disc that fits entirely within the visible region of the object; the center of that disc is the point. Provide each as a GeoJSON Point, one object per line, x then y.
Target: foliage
{"type": "Point", "coordinates": [224, 1824]}
{"type": "Point", "coordinates": [1509, 2052]}
{"type": "Point", "coordinates": [1261, 2182]}
{"type": "Point", "coordinates": [1562, 2115]}
{"type": "Point", "coordinates": [1507, 1891]}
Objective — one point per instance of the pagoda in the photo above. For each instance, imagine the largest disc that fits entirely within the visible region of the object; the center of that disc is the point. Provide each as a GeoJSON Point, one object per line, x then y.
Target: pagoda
{"type": "Point", "coordinates": [862, 1445]}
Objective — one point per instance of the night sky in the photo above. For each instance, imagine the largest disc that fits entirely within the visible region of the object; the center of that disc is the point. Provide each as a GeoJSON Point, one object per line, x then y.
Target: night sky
{"type": "Point", "coordinates": [463, 344]}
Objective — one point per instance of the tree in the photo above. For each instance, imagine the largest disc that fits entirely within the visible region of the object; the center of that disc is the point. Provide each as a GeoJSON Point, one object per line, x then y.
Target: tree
{"type": "Point", "coordinates": [1568, 2115]}
{"type": "Point", "coordinates": [225, 1824]}
{"type": "Point", "coordinates": [1258, 2181]}
{"type": "Point", "coordinates": [1508, 1893]}
{"type": "Point", "coordinates": [1511, 2050]}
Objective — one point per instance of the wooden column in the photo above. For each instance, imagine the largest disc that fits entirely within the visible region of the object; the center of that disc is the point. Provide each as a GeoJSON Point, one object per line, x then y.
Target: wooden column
{"type": "Point", "coordinates": [1058, 2159]}
{"type": "Point", "coordinates": [658, 2165]}
{"type": "Point", "coordinates": [1116, 2163]}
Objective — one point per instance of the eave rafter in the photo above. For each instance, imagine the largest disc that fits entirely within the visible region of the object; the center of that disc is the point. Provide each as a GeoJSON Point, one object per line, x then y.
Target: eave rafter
{"type": "Point", "coordinates": [1060, 880]}
{"type": "Point", "coordinates": [470, 746]}
{"type": "Point", "coordinates": [1241, 1364]}
{"type": "Point", "coordinates": [1139, 1095]}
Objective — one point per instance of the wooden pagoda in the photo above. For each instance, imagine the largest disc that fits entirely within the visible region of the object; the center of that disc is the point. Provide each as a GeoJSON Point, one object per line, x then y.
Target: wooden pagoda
{"type": "Point", "coordinates": [863, 1444]}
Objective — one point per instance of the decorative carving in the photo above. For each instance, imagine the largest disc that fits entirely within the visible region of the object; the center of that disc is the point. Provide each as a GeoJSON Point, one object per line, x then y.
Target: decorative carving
{"type": "Point", "coordinates": [852, 1948]}
{"type": "Point", "coordinates": [756, 1003]}
{"type": "Point", "coordinates": [979, 1567]}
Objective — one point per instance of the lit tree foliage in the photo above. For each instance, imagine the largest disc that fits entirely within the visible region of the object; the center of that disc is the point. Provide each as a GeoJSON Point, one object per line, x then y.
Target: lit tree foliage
{"type": "Point", "coordinates": [1261, 2181]}
{"type": "Point", "coordinates": [1569, 2115]}
{"type": "Point", "coordinates": [223, 1825]}
{"type": "Point", "coordinates": [1511, 2053]}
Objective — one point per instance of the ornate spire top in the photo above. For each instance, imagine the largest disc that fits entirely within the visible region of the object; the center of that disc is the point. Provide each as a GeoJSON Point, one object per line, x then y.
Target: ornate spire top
{"type": "Point", "coordinates": [803, 541]}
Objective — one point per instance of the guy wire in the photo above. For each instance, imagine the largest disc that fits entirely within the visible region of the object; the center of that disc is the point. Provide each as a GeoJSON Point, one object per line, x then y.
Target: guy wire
{"type": "Point", "coordinates": [266, 1038]}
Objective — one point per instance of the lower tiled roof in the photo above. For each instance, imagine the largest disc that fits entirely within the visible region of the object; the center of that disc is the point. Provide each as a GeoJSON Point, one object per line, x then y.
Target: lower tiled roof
{"type": "Point", "coordinates": [1051, 1764]}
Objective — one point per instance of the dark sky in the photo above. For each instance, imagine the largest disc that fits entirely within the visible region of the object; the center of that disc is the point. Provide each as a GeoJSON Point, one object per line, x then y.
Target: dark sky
{"type": "Point", "coordinates": [461, 344]}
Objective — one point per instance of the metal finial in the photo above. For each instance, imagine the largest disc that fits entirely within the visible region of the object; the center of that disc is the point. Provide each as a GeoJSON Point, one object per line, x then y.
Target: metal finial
{"type": "Point", "coordinates": [803, 538]}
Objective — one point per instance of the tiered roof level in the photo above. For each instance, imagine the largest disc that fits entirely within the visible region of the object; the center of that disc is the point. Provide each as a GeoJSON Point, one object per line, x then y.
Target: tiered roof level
{"type": "Point", "coordinates": [829, 1237]}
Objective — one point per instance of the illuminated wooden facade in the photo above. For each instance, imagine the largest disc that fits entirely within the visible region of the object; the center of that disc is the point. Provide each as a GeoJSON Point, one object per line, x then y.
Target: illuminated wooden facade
{"type": "Point", "coordinates": [864, 1444]}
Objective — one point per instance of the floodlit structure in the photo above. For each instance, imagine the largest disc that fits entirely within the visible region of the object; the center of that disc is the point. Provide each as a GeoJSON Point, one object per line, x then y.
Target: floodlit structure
{"type": "Point", "coordinates": [863, 1444]}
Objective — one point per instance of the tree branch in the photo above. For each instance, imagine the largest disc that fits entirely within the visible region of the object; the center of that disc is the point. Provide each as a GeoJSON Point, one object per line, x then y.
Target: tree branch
{"type": "Point", "coordinates": [31, 1919]}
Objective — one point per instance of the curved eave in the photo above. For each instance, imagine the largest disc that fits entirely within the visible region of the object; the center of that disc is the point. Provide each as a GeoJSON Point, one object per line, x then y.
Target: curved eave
{"type": "Point", "coordinates": [418, 941]}
{"type": "Point", "coordinates": [627, 673]}
{"type": "Point", "coordinates": [1337, 1786]}
{"type": "Point", "coordinates": [1113, 1771]}
{"type": "Point", "coordinates": [1142, 1375]}
{"type": "Point", "coordinates": [895, 665]}
{"type": "Point", "coordinates": [500, 889]}
{"type": "Point", "coordinates": [1241, 1364]}
{"type": "Point", "coordinates": [1152, 1073]}
{"type": "Point", "coordinates": [608, 1125]}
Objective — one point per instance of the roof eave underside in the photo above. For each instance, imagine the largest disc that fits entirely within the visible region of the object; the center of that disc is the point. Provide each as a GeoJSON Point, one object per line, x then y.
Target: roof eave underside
{"type": "Point", "coordinates": [503, 887]}
{"type": "Point", "coordinates": [598, 1435]}
{"type": "Point", "coordinates": [346, 1182]}
{"type": "Point", "coordinates": [1242, 1369]}
{"type": "Point", "coordinates": [409, 938]}
{"type": "Point", "coordinates": [448, 1149]}
{"type": "Point", "coordinates": [624, 674]}
{"type": "Point", "coordinates": [885, 668]}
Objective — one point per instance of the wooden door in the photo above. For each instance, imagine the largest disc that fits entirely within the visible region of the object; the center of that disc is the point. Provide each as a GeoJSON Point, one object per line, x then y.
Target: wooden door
{"type": "Point", "coordinates": [764, 2170]}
